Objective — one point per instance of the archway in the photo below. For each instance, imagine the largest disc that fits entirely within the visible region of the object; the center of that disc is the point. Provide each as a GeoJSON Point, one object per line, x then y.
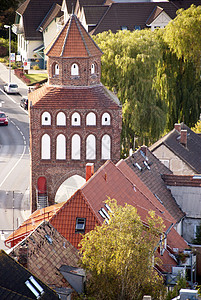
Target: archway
{"type": "Point", "coordinates": [68, 188]}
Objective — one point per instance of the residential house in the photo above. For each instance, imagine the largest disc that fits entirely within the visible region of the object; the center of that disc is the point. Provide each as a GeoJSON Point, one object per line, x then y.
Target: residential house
{"type": "Point", "coordinates": [37, 23]}
{"type": "Point", "coordinates": [179, 150]}
{"type": "Point", "coordinates": [16, 282]}
{"type": "Point", "coordinates": [87, 208]}
{"type": "Point", "coordinates": [30, 19]}
{"type": "Point", "coordinates": [74, 119]}
{"type": "Point", "coordinates": [45, 253]}
{"type": "Point", "coordinates": [150, 170]}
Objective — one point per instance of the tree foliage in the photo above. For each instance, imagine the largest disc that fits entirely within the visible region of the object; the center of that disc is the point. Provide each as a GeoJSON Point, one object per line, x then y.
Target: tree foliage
{"type": "Point", "coordinates": [118, 255]}
{"type": "Point", "coordinates": [183, 35]}
{"type": "Point", "coordinates": [129, 65]}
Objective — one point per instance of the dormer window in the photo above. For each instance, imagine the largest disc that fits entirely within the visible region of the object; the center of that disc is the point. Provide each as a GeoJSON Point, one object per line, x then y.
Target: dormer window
{"type": "Point", "coordinates": [74, 70]}
{"type": "Point", "coordinates": [80, 225]}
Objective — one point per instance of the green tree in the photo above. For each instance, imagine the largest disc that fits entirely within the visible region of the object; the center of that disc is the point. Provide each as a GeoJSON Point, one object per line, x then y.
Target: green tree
{"type": "Point", "coordinates": [183, 35]}
{"type": "Point", "coordinates": [197, 127]}
{"type": "Point", "coordinates": [177, 85]}
{"type": "Point", "coordinates": [129, 66]}
{"type": "Point", "coordinates": [119, 255]}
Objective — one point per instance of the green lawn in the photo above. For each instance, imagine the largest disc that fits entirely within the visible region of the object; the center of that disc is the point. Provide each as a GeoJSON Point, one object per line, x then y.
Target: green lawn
{"type": "Point", "coordinates": [36, 78]}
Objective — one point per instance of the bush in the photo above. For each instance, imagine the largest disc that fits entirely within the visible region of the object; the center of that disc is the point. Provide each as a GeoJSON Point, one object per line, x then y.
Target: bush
{"type": "Point", "coordinates": [36, 67]}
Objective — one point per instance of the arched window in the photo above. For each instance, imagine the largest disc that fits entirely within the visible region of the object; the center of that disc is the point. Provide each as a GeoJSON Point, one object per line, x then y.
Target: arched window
{"type": "Point", "coordinates": [74, 70]}
{"type": "Point", "coordinates": [76, 147]}
{"type": "Point", "coordinates": [91, 119]}
{"type": "Point", "coordinates": [106, 147]}
{"type": "Point", "coordinates": [56, 69]}
{"type": "Point", "coordinates": [106, 119]}
{"type": "Point", "coordinates": [46, 118]}
{"type": "Point", "coordinates": [45, 146]}
{"type": "Point", "coordinates": [92, 69]}
{"type": "Point", "coordinates": [61, 119]}
{"type": "Point", "coordinates": [75, 119]}
{"type": "Point", "coordinates": [61, 147]}
{"type": "Point", "coordinates": [91, 147]}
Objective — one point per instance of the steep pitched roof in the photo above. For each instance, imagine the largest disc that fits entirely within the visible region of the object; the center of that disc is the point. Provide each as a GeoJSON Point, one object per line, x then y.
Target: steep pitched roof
{"type": "Point", "coordinates": [12, 281]}
{"type": "Point", "coordinates": [47, 248]}
{"type": "Point", "coordinates": [190, 153]}
{"type": "Point", "coordinates": [55, 11]}
{"type": "Point", "coordinates": [74, 97]}
{"type": "Point", "coordinates": [33, 12]}
{"type": "Point", "coordinates": [151, 176]}
{"type": "Point", "coordinates": [73, 41]}
{"type": "Point", "coordinates": [94, 13]}
{"type": "Point", "coordinates": [156, 12]}
{"type": "Point", "coordinates": [131, 14]}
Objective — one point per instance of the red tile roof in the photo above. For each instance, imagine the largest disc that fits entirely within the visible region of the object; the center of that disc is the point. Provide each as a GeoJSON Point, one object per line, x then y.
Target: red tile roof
{"type": "Point", "coordinates": [74, 97]}
{"type": "Point", "coordinates": [73, 41]}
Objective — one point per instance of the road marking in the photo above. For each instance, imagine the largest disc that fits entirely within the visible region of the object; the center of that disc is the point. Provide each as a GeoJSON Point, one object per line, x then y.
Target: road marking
{"type": "Point", "coordinates": [8, 96]}
{"type": "Point", "coordinates": [18, 159]}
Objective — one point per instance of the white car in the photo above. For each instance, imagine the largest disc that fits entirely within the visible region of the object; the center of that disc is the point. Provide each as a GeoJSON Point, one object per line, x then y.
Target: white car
{"type": "Point", "coordinates": [11, 88]}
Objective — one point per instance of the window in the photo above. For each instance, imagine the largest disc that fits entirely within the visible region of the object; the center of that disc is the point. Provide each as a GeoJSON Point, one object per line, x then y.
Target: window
{"type": "Point", "coordinates": [61, 119]}
{"type": "Point", "coordinates": [56, 70]}
{"type": "Point", "coordinates": [46, 118]}
{"type": "Point", "coordinates": [91, 119]}
{"type": "Point", "coordinates": [92, 69]}
{"type": "Point", "coordinates": [75, 147]}
{"type": "Point", "coordinates": [124, 28]}
{"type": "Point", "coordinates": [75, 119]}
{"type": "Point", "coordinates": [106, 147]}
{"type": "Point", "coordinates": [137, 27]}
{"type": "Point", "coordinates": [91, 147]}
{"type": "Point", "coordinates": [45, 147]}
{"type": "Point", "coordinates": [106, 119]}
{"type": "Point", "coordinates": [61, 147]}
{"type": "Point", "coordinates": [74, 70]}
{"type": "Point", "coordinates": [80, 225]}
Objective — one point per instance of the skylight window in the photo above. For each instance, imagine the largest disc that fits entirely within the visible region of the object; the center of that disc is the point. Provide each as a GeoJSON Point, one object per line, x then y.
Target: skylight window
{"type": "Point", "coordinates": [103, 215]}
{"type": "Point", "coordinates": [146, 165]}
{"type": "Point", "coordinates": [34, 287]}
{"type": "Point", "coordinates": [80, 225]}
{"type": "Point", "coordinates": [138, 166]}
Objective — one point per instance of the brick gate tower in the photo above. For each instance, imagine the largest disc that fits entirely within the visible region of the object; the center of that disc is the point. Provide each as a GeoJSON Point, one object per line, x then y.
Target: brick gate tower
{"type": "Point", "coordinates": [74, 119]}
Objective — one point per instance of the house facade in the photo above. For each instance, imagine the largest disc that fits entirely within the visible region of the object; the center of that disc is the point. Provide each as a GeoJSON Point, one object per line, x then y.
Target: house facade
{"type": "Point", "coordinates": [74, 119]}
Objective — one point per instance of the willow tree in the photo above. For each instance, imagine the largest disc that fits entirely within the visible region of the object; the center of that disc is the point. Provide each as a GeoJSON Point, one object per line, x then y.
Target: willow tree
{"type": "Point", "coordinates": [119, 256]}
{"type": "Point", "coordinates": [179, 87]}
{"type": "Point", "coordinates": [129, 66]}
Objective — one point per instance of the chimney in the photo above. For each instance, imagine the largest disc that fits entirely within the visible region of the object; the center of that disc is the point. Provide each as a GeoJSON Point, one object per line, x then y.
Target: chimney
{"type": "Point", "coordinates": [144, 150]}
{"type": "Point", "coordinates": [89, 170]}
{"type": "Point", "coordinates": [183, 138]}
{"type": "Point", "coordinates": [177, 127]}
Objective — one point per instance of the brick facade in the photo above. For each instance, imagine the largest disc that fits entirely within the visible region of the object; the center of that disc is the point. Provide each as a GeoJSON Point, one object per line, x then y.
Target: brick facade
{"type": "Point", "coordinates": [68, 94]}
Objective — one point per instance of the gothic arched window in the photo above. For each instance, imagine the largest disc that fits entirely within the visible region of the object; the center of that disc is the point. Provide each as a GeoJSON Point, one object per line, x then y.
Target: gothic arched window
{"type": "Point", "coordinates": [76, 147]}
{"type": "Point", "coordinates": [106, 147]}
{"type": "Point", "coordinates": [91, 119]}
{"type": "Point", "coordinates": [106, 119]}
{"type": "Point", "coordinates": [46, 118]}
{"type": "Point", "coordinates": [74, 70]}
{"type": "Point", "coordinates": [91, 147]}
{"type": "Point", "coordinates": [75, 119]}
{"type": "Point", "coordinates": [45, 146]}
{"type": "Point", "coordinates": [61, 147]}
{"type": "Point", "coordinates": [61, 119]}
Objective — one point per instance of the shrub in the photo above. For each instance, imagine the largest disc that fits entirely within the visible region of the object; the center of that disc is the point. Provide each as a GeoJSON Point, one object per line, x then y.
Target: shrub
{"type": "Point", "coordinates": [36, 67]}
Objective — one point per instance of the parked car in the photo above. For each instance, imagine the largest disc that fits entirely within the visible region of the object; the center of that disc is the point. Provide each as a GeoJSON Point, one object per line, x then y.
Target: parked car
{"type": "Point", "coordinates": [11, 88]}
{"type": "Point", "coordinates": [24, 103]}
{"type": "Point", "coordinates": [3, 119]}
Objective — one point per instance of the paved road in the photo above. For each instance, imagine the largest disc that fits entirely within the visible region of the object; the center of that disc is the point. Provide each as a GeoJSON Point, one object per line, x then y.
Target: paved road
{"type": "Point", "coordinates": [14, 164]}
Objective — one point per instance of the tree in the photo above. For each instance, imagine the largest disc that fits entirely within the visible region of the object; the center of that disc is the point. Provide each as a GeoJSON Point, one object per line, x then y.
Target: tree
{"type": "Point", "coordinates": [118, 255]}
{"type": "Point", "coordinates": [197, 127]}
{"type": "Point", "coordinates": [129, 65]}
{"type": "Point", "coordinates": [183, 35]}
{"type": "Point", "coordinates": [177, 85]}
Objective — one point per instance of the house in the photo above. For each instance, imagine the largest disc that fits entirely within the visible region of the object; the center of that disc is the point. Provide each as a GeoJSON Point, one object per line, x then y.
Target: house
{"type": "Point", "coordinates": [150, 170]}
{"type": "Point", "coordinates": [45, 253]}
{"type": "Point", "coordinates": [86, 209]}
{"type": "Point", "coordinates": [179, 150]}
{"type": "Point", "coordinates": [16, 282]}
{"type": "Point", "coordinates": [30, 19]}
{"type": "Point", "coordinates": [37, 24]}
{"type": "Point", "coordinates": [74, 119]}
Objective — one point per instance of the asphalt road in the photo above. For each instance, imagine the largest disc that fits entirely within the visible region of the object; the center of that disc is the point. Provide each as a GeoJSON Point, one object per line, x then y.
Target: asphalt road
{"type": "Point", "coordinates": [14, 165]}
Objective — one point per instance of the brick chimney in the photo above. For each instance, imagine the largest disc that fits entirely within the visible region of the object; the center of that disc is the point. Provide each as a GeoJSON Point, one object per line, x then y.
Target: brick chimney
{"type": "Point", "coordinates": [89, 170]}
{"type": "Point", "coordinates": [177, 127]}
{"type": "Point", "coordinates": [183, 138]}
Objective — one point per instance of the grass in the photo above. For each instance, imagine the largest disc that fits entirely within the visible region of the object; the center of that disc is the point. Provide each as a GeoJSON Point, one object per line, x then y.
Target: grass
{"type": "Point", "coordinates": [36, 78]}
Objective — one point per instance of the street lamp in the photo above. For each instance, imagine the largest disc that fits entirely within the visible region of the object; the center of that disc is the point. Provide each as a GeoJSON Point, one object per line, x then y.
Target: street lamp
{"type": "Point", "coordinates": [9, 27]}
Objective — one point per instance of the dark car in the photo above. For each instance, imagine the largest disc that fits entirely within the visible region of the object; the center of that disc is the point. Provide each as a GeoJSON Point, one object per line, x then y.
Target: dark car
{"type": "Point", "coordinates": [3, 119]}
{"type": "Point", "coordinates": [24, 103]}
